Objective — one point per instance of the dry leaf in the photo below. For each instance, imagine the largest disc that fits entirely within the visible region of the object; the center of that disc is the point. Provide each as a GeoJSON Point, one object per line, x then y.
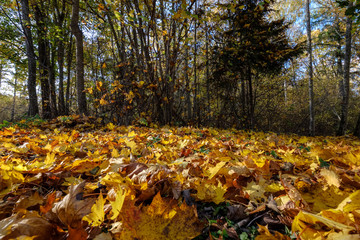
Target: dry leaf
{"type": "Point", "coordinates": [72, 208]}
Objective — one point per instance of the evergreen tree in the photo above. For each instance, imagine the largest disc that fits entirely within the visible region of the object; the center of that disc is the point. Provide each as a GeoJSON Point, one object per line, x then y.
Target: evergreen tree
{"type": "Point", "coordinates": [251, 45]}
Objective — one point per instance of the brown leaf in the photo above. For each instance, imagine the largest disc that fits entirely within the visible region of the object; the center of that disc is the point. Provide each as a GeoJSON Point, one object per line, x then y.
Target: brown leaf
{"type": "Point", "coordinates": [71, 209]}
{"type": "Point", "coordinates": [28, 201]}
{"type": "Point", "coordinates": [236, 212]}
{"type": "Point", "coordinates": [27, 224]}
{"type": "Point", "coordinates": [77, 234]}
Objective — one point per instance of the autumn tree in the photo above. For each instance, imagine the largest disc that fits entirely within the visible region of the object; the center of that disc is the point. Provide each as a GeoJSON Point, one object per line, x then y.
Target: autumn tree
{"type": "Point", "coordinates": [81, 97]}
{"type": "Point", "coordinates": [30, 52]}
{"type": "Point", "coordinates": [251, 46]}
{"type": "Point", "coordinates": [310, 69]}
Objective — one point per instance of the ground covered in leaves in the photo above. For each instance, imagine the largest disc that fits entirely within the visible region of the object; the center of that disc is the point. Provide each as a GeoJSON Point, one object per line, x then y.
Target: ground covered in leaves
{"type": "Point", "coordinates": [76, 178]}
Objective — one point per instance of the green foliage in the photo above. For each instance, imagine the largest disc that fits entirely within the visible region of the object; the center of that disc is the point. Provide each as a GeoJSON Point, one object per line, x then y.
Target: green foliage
{"type": "Point", "coordinates": [250, 234]}
{"type": "Point", "coordinates": [5, 124]}
{"type": "Point", "coordinates": [353, 11]}
{"type": "Point", "coordinates": [66, 119]}
{"type": "Point", "coordinates": [25, 122]}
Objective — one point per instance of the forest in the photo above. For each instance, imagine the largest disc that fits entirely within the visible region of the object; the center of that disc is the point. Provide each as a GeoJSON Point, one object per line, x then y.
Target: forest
{"type": "Point", "coordinates": [179, 119]}
{"type": "Point", "coordinates": [263, 65]}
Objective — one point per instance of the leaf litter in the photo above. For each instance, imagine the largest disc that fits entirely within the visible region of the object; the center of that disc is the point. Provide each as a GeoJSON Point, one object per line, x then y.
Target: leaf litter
{"type": "Point", "coordinates": [79, 179]}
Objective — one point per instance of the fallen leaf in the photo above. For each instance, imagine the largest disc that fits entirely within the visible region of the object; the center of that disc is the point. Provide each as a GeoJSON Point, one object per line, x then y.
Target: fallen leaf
{"type": "Point", "coordinates": [331, 177]}
{"type": "Point", "coordinates": [162, 219]}
{"type": "Point", "coordinates": [118, 203]}
{"type": "Point", "coordinates": [72, 208]}
{"type": "Point", "coordinates": [27, 224]}
{"type": "Point", "coordinates": [311, 226]}
{"type": "Point", "coordinates": [96, 217]}
{"type": "Point", "coordinates": [211, 192]}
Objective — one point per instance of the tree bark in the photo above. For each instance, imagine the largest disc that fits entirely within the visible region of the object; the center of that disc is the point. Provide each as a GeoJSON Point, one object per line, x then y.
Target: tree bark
{"type": "Point", "coordinates": [14, 96]}
{"type": "Point", "coordinates": [1, 71]}
{"type": "Point", "coordinates": [60, 14]}
{"type": "Point", "coordinates": [187, 80]}
{"type": "Point", "coordinates": [195, 101]}
{"type": "Point", "coordinates": [61, 56]}
{"type": "Point", "coordinates": [43, 64]}
{"type": "Point", "coordinates": [51, 61]}
{"type": "Point", "coordinates": [29, 45]}
{"type": "Point", "coordinates": [346, 82]}
{"type": "Point", "coordinates": [68, 83]}
{"type": "Point", "coordinates": [75, 29]}
{"type": "Point", "coordinates": [311, 83]}
{"type": "Point", "coordinates": [357, 128]}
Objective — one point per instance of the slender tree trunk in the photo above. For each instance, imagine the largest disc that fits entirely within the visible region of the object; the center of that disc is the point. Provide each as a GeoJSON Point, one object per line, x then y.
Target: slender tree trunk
{"type": "Point", "coordinates": [75, 29]}
{"type": "Point", "coordinates": [207, 73]}
{"type": "Point", "coordinates": [43, 64]}
{"type": "Point", "coordinates": [285, 91]}
{"type": "Point", "coordinates": [346, 82]}
{"type": "Point", "coordinates": [29, 45]}
{"type": "Point", "coordinates": [60, 16]}
{"type": "Point", "coordinates": [1, 71]}
{"type": "Point", "coordinates": [14, 96]}
{"type": "Point", "coordinates": [311, 84]}
{"type": "Point", "coordinates": [339, 56]}
{"type": "Point", "coordinates": [251, 99]}
{"type": "Point", "coordinates": [68, 83]}
{"type": "Point", "coordinates": [357, 128]}
{"type": "Point", "coordinates": [51, 64]}
{"type": "Point", "coordinates": [61, 56]}
{"type": "Point", "coordinates": [195, 101]}
{"type": "Point", "coordinates": [187, 80]}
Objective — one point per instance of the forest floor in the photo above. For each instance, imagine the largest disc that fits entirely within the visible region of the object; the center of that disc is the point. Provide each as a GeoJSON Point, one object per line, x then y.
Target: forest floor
{"type": "Point", "coordinates": [76, 178]}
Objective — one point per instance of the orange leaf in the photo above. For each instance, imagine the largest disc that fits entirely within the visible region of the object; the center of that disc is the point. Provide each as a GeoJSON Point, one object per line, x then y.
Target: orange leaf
{"type": "Point", "coordinates": [49, 203]}
{"type": "Point", "coordinates": [77, 234]}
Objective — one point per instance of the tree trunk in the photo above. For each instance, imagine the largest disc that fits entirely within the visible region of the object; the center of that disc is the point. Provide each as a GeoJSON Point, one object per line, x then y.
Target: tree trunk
{"type": "Point", "coordinates": [1, 71]}
{"type": "Point", "coordinates": [339, 56]}
{"type": "Point", "coordinates": [195, 101]}
{"type": "Point", "coordinates": [346, 82]}
{"type": "Point", "coordinates": [75, 29]}
{"type": "Point", "coordinates": [43, 64]}
{"type": "Point", "coordinates": [187, 80]}
{"type": "Point", "coordinates": [311, 84]}
{"type": "Point", "coordinates": [357, 128]}
{"type": "Point", "coordinates": [61, 56]}
{"type": "Point", "coordinates": [51, 63]}
{"type": "Point", "coordinates": [29, 45]}
{"type": "Point", "coordinates": [251, 99]}
{"type": "Point", "coordinates": [68, 83]}
{"type": "Point", "coordinates": [207, 76]}
{"type": "Point", "coordinates": [14, 96]}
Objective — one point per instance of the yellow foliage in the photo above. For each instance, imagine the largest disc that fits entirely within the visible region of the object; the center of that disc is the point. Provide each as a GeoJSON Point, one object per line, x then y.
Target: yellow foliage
{"type": "Point", "coordinates": [97, 215]}
{"type": "Point", "coordinates": [162, 219]}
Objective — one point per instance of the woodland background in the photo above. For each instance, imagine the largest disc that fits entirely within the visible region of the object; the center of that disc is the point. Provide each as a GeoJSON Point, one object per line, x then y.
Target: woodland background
{"type": "Point", "coordinates": [283, 66]}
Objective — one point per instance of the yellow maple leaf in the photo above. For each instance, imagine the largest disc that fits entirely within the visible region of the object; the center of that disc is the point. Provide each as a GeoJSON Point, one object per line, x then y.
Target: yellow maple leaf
{"type": "Point", "coordinates": [350, 203]}
{"type": "Point", "coordinates": [212, 171]}
{"type": "Point", "coordinates": [162, 219]}
{"type": "Point", "coordinates": [96, 217]}
{"type": "Point", "coordinates": [50, 158]}
{"type": "Point", "coordinates": [115, 153]}
{"type": "Point", "coordinates": [132, 134]}
{"type": "Point", "coordinates": [211, 192]}
{"type": "Point", "coordinates": [255, 190]}
{"type": "Point", "coordinates": [303, 220]}
{"type": "Point", "coordinates": [118, 203]}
